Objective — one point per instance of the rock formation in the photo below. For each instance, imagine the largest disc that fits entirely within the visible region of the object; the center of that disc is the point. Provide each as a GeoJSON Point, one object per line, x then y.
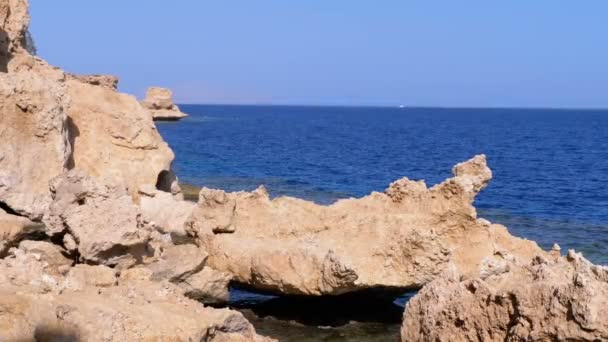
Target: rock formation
{"type": "Point", "coordinates": [106, 81]}
{"type": "Point", "coordinates": [15, 228]}
{"type": "Point", "coordinates": [35, 146]}
{"type": "Point", "coordinates": [113, 136]}
{"type": "Point", "coordinates": [164, 213]}
{"type": "Point", "coordinates": [52, 121]}
{"type": "Point", "coordinates": [396, 240]}
{"type": "Point", "coordinates": [42, 300]}
{"type": "Point", "coordinates": [100, 217]}
{"type": "Point", "coordinates": [159, 102]}
{"type": "Point", "coordinates": [552, 298]}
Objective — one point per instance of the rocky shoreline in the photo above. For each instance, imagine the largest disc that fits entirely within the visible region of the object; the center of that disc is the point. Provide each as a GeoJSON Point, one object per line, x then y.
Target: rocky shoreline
{"type": "Point", "coordinates": [99, 242]}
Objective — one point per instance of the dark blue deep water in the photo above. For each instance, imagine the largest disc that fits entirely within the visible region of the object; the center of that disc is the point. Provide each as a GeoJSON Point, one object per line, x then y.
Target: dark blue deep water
{"type": "Point", "coordinates": [550, 166]}
{"type": "Point", "coordinates": [550, 172]}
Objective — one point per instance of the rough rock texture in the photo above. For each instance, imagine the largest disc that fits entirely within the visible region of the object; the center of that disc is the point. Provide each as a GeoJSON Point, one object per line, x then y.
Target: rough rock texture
{"type": "Point", "coordinates": [550, 299]}
{"type": "Point", "coordinates": [208, 286]}
{"type": "Point", "coordinates": [166, 214]}
{"type": "Point", "coordinates": [14, 229]}
{"type": "Point", "coordinates": [113, 136]}
{"type": "Point", "coordinates": [35, 145]}
{"type": "Point", "coordinates": [399, 239]}
{"type": "Point", "coordinates": [159, 102]}
{"type": "Point", "coordinates": [106, 81]}
{"type": "Point", "coordinates": [105, 224]}
{"type": "Point", "coordinates": [177, 263]}
{"type": "Point", "coordinates": [15, 19]}
{"type": "Point", "coordinates": [38, 303]}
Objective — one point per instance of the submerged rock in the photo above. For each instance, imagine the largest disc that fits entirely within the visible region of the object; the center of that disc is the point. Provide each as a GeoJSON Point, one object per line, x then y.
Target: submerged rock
{"type": "Point", "coordinates": [551, 298]}
{"type": "Point", "coordinates": [159, 102]}
{"type": "Point", "coordinates": [396, 240]}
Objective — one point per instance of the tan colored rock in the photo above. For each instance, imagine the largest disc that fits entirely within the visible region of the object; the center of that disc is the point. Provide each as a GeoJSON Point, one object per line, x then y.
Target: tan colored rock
{"type": "Point", "coordinates": [101, 217]}
{"type": "Point", "coordinates": [14, 22]}
{"type": "Point", "coordinates": [178, 262]}
{"type": "Point", "coordinates": [114, 137]}
{"type": "Point", "coordinates": [550, 299]}
{"type": "Point", "coordinates": [37, 305]}
{"type": "Point", "coordinates": [166, 214]}
{"type": "Point", "coordinates": [35, 145]}
{"type": "Point", "coordinates": [159, 102]}
{"type": "Point", "coordinates": [15, 228]}
{"type": "Point", "coordinates": [82, 276]}
{"type": "Point", "coordinates": [50, 254]}
{"type": "Point", "coordinates": [106, 81]}
{"type": "Point", "coordinates": [400, 239]}
{"type": "Point", "coordinates": [208, 286]}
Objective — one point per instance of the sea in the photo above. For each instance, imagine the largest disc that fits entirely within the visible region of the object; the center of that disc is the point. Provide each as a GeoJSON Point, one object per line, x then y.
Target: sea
{"type": "Point", "coordinates": [550, 175]}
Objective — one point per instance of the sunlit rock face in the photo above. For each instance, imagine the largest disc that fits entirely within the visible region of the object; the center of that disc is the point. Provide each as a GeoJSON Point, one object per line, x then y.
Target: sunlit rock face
{"type": "Point", "coordinates": [551, 298]}
{"type": "Point", "coordinates": [159, 102]}
{"type": "Point", "coordinates": [402, 238]}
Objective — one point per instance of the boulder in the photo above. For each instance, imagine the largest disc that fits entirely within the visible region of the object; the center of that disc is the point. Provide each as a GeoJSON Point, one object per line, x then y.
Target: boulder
{"type": "Point", "coordinates": [208, 286]}
{"type": "Point", "coordinates": [400, 239]}
{"type": "Point", "coordinates": [159, 102]}
{"type": "Point", "coordinates": [49, 254]}
{"type": "Point", "coordinates": [114, 137]}
{"type": "Point", "coordinates": [102, 219]}
{"type": "Point", "coordinates": [177, 263]}
{"type": "Point", "coordinates": [166, 214]}
{"type": "Point", "coordinates": [552, 298]}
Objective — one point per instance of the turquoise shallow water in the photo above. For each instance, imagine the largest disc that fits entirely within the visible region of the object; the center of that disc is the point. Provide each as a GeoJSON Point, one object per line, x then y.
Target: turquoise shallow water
{"type": "Point", "coordinates": [550, 168]}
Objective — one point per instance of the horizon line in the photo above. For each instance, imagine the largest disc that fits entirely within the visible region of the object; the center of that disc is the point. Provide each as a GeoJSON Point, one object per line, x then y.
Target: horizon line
{"type": "Point", "coordinates": [405, 107]}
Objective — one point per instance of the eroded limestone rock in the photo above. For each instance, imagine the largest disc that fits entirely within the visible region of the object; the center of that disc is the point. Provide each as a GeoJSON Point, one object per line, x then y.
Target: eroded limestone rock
{"type": "Point", "coordinates": [208, 286]}
{"type": "Point", "coordinates": [166, 214]}
{"type": "Point", "coordinates": [35, 145]}
{"type": "Point", "coordinates": [89, 305]}
{"type": "Point", "coordinates": [177, 263]}
{"type": "Point", "coordinates": [399, 239]}
{"type": "Point", "coordinates": [551, 298]}
{"type": "Point", "coordinates": [100, 216]}
{"type": "Point", "coordinates": [114, 137]}
{"type": "Point", "coordinates": [159, 102]}
{"type": "Point", "coordinates": [15, 228]}
{"type": "Point", "coordinates": [106, 81]}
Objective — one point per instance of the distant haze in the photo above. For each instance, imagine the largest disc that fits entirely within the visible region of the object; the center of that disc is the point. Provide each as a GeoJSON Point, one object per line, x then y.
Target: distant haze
{"type": "Point", "coordinates": [516, 53]}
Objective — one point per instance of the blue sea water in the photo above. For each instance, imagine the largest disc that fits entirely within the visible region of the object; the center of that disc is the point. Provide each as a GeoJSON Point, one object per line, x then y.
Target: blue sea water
{"type": "Point", "coordinates": [550, 166]}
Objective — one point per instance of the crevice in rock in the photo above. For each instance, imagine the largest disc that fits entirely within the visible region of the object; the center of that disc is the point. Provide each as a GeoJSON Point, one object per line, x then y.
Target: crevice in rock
{"type": "Point", "coordinates": [329, 311]}
{"type": "Point", "coordinates": [165, 180]}
{"type": "Point", "coordinates": [4, 53]}
{"type": "Point", "coordinates": [73, 132]}
{"type": "Point", "coordinates": [9, 210]}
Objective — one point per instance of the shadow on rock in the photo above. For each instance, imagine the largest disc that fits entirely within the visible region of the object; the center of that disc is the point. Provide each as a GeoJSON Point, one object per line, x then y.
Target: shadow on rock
{"type": "Point", "coordinates": [330, 311]}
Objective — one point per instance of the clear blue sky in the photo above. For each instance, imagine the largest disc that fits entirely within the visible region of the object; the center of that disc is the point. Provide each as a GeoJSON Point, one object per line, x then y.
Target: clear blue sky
{"type": "Point", "coordinates": [429, 53]}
